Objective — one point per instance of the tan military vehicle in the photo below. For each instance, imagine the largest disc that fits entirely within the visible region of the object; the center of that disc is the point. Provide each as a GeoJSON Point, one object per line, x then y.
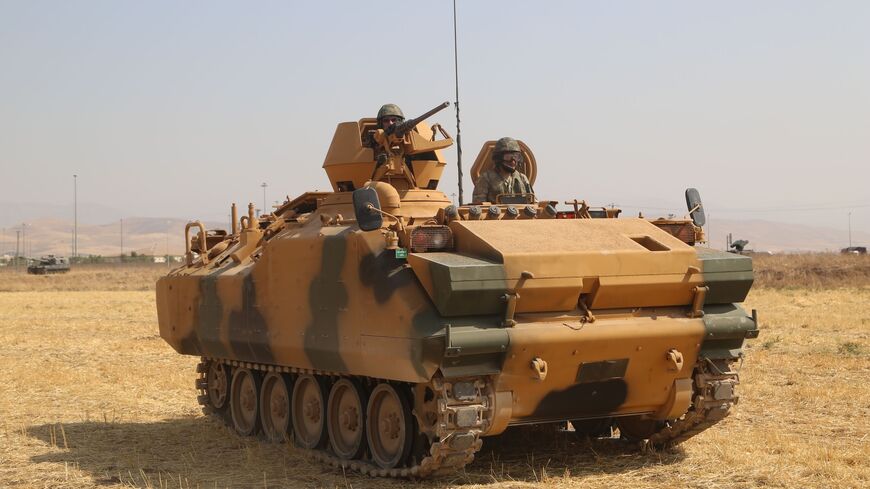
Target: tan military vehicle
{"type": "Point", "coordinates": [390, 332]}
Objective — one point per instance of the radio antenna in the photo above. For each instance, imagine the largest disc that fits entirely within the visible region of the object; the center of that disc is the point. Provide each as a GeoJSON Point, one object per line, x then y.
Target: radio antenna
{"type": "Point", "coordinates": [458, 132]}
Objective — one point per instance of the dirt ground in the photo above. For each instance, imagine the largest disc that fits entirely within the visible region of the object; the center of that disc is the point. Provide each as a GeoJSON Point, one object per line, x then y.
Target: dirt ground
{"type": "Point", "coordinates": [92, 397]}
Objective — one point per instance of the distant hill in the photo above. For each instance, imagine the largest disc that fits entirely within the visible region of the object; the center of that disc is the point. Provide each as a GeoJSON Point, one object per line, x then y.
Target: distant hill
{"type": "Point", "coordinates": [152, 235]}
{"type": "Point", "coordinates": [14, 213]}
{"type": "Point", "coordinates": [783, 237]}
{"type": "Point", "coordinates": [144, 235]}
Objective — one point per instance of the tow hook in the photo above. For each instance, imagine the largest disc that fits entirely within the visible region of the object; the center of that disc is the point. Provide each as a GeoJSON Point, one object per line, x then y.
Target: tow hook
{"type": "Point", "coordinates": [539, 365]}
{"type": "Point", "coordinates": [676, 359]}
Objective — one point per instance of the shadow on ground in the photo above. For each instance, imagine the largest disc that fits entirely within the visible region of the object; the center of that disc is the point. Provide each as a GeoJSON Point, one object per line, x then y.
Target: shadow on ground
{"type": "Point", "coordinates": [200, 451]}
{"type": "Point", "coordinates": [536, 453]}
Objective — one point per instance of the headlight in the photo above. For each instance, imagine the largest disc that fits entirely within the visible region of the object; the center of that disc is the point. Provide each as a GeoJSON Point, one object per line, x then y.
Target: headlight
{"type": "Point", "coordinates": [431, 238]}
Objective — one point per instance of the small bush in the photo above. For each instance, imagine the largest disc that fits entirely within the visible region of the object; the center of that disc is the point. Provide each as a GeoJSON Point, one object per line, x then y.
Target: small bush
{"type": "Point", "coordinates": [768, 344]}
{"type": "Point", "coordinates": [850, 348]}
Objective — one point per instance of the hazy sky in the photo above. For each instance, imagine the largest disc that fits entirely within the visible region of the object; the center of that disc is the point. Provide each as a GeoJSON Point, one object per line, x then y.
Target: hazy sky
{"type": "Point", "coordinates": [178, 108]}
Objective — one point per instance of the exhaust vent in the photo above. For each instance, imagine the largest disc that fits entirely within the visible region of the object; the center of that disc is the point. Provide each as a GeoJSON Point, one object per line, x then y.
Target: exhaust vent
{"type": "Point", "coordinates": [649, 243]}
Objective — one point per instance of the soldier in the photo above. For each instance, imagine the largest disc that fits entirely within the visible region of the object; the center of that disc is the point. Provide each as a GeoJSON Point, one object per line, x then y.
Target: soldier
{"type": "Point", "coordinates": [390, 115]}
{"type": "Point", "coordinates": [503, 177]}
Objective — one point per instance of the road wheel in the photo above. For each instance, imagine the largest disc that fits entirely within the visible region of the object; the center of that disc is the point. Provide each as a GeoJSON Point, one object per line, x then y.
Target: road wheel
{"type": "Point", "coordinates": [244, 402]}
{"type": "Point", "coordinates": [275, 407]}
{"type": "Point", "coordinates": [217, 385]}
{"type": "Point", "coordinates": [308, 413]}
{"type": "Point", "coordinates": [389, 429]}
{"type": "Point", "coordinates": [345, 419]}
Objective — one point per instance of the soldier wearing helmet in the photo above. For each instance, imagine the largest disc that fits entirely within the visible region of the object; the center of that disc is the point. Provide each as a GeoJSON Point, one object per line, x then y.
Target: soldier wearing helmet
{"type": "Point", "coordinates": [503, 177]}
{"type": "Point", "coordinates": [390, 115]}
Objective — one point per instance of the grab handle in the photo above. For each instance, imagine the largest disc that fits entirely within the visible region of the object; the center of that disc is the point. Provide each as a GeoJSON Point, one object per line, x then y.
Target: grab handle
{"type": "Point", "coordinates": [188, 253]}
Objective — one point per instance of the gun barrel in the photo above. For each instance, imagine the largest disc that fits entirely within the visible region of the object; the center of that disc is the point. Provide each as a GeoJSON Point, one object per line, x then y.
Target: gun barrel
{"type": "Point", "coordinates": [404, 127]}
{"type": "Point", "coordinates": [432, 112]}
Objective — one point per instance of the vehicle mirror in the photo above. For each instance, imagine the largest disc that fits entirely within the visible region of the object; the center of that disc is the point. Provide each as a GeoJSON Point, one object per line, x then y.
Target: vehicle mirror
{"type": "Point", "coordinates": [696, 208]}
{"type": "Point", "coordinates": [365, 208]}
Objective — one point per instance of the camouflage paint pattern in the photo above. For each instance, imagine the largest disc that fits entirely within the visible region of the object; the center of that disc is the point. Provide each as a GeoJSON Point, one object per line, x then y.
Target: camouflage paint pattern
{"type": "Point", "coordinates": [602, 303]}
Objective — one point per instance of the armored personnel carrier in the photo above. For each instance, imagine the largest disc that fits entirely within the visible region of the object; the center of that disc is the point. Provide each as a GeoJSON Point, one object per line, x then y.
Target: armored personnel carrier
{"type": "Point", "coordinates": [389, 332]}
{"type": "Point", "coordinates": [48, 264]}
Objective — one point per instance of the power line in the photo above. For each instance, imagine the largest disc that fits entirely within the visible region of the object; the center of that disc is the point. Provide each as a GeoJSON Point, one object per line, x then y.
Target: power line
{"type": "Point", "coordinates": [648, 207]}
{"type": "Point", "coordinates": [794, 209]}
{"type": "Point", "coordinates": [264, 185]}
{"type": "Point", "coordinates": [753, 210]}
{"type": "Point", "coordinates": [75, 216]}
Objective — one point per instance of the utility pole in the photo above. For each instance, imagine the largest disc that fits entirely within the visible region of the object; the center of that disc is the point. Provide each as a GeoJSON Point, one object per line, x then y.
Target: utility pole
{"type": "Point", "coordinates": [850, 229]}
{"type": "Point", "coordinates": [168, 223]}
{"type": "Point", "coordinates": [75, 216]}
{"type": "Point", "coordinates": [264, 185]}
{"type": "Point", "coordinates": [121, 258]}
{"type": "Point", "coordinates": [17, 246]}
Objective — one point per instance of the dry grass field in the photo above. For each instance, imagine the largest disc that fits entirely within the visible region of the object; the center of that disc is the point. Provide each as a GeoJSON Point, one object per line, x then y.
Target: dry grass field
{"type": "Point", "coordinates": [103, 278]}
{"type": "Point", "coordinates": [92, 397]}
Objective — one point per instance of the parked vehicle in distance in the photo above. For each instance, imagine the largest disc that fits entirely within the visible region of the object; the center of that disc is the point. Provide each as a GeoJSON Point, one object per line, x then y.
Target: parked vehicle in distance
{"type": "Point", "coordinates": [48, 264]}
{"type": "Point", "coordinates": [854, 250]}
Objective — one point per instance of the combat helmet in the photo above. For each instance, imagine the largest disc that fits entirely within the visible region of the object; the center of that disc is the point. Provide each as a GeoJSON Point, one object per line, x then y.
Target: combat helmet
{"type": "Point", "coordinates": [388, 110]}
{"type": "Point", "coordinates": [506, 145]}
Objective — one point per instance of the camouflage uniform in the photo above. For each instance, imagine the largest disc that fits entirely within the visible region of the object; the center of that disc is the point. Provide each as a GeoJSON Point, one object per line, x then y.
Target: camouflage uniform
{"type": "Point", "coordinates": [502, 178]}
{"type": "Point", "coordinates": [491, 184]}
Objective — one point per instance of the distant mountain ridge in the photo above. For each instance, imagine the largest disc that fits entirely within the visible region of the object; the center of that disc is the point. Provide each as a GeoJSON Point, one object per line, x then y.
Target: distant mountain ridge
{"type": "Point", "coordinates": [782, 237]}
{"type": "Point", "coordinates": [153, 235]}
{"type": "Point", "coordinates": [14, 213]}
{"type": "Point", "coordinates": [144, 235]}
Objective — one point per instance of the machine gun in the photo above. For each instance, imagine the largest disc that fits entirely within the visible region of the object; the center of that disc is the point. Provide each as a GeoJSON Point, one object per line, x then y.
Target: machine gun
{"type": "Point", "coordinates": [399, 130]}
{"type": "Point", "coordinates": [394, 144]}
{"type": "Point", "coordinates": [738, 246]}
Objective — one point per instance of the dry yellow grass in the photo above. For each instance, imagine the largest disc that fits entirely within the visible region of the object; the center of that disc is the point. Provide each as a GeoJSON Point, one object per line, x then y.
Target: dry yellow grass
{"type": "Point", "coordinates": [92, 396]}
{"type": "Point", "coordinates": [812, 270]}
{"type": "Point", "coordinates": [84, 277]}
